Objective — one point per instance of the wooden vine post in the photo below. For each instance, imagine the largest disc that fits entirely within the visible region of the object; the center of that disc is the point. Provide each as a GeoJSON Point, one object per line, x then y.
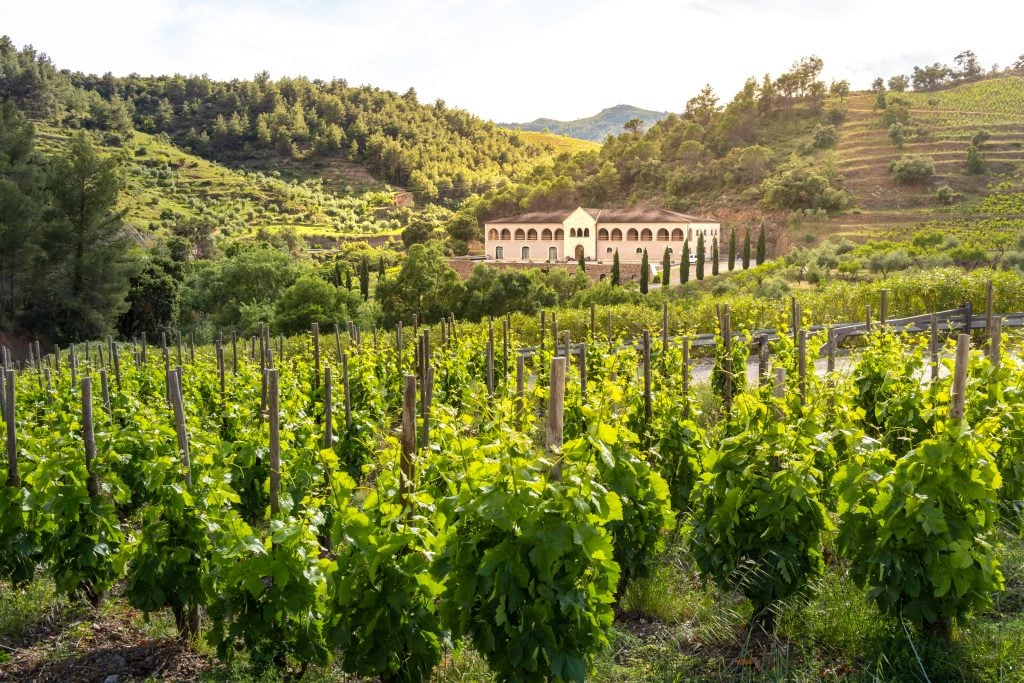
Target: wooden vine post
{"type": "Point", "coordinates": [105, 389]}
{"type": "Point", "coordinates": [543, 328]}
{"type": "Point", "coordinates": [801, 352]}
{"type": "Point", "coordinates": [994, 349]}
{"type": "Point", "coordinates": [10, 417]}
{"type": "Point", "coordinates": [405, 463]}
{"type": "Point", "coordinates": [883, 313]}
{"type": "Point", "coordinates": [348, 392]}
{"type": "Point", "coordinates": [779, 389]}
{"type": "Point", "coordinates": [933, 347]}
{"type": "Point", "coordinates": [556, 414]}
{"type": "Point", "coordinates": [490, 358]}
{"type": "Point", "coordinates": [593, 319]}
{"type": "Point", "coordinates": [89, 437]}
{"type": "Point", "coordinates": [275, 441]}
{"type": "Point", "coordinates": [958, 397]}
{"type": "Point", "coordinates": [315, 331]}
{"type": "Point", "coordinates": [727, 361]}
{"type": "Point", "coordinates": [989, 307]}
{"type": "Point", "coordinates": [647, 376]}
{"type": "Point", "coordinates": [328, 409]}
{"type": "Point", "coordinates": [174, 385]}
{"type": "Point", "coordinates": [583, 370]}
{"type": "Point", "coordinates": [520, 386]}
{"type": "Point", "coordinates": [831, 349]}
{"type": "Point", "coordinates": [664, 333]}
{"type": "Point", "coordinates": [762, 359]}
{"type": "Point", "coordinates": [686, 376]}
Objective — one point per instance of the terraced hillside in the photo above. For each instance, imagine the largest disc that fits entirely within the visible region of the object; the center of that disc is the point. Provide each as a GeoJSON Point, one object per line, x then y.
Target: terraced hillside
{"type": "Point", "coordinates": [164, 186]}
{"type": "Point", "coordinates": [941, 126]}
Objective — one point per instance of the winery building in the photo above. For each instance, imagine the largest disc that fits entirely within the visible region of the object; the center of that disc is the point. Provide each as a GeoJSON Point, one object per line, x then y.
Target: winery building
{"type": "Point", "coordinates": [558, 236]}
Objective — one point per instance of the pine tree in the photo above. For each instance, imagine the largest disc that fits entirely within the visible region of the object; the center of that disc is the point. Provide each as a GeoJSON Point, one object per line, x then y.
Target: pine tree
{"type": "Point", "coordinates": [732, 250]}
{"type": "Point", "coordinates": [746, 248]}
{"type": "Point", "coordinates": [761, 246]}
{"type": "Point", "coordinates": [645, 273]}
{"type": "Point", "coordinates": [714, 257]}
{"type": "Point", "coordinates": [364, 278]}
{"type": "Point", "coordinates": [700, 257]}
{"type": "Point", "coordinates": [616, 272]}
{"type": "Point", "coordinates": [684, 264]}
{"type": "Point", "coordinates": [666, 268]}
{"type": "Point", "coordinates": [581, 263]}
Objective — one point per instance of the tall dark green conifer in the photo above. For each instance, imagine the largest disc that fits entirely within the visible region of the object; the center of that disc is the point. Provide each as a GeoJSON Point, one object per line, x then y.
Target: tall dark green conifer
{"type": "Point", "coordinates": [364, 278]}
{"type": "Point", "coordinates": [348, 277]}
{"type": "Point", "coordinates": [714, 257]}
{"type": "Point", "coordinates": [746, 248]}
{"type": "Point", "coordinates": [666, 268]}
{"type": "Point", "coordinates": [380, 267]}
{"type": "Point", "coordinates": [616, 272]}
{"type": "Point", "coordinates": [645, 273]}
{"type": "Point", "coordinates": [700, 257]}
{"type": "Point", "coordinates": [732, 250]}
{"type": "Point", "coordinates": [581, 262]}
{"type": "Point", "coordinates": [761, 246]}
{"type": "Point", "coordinates": [684, 264]}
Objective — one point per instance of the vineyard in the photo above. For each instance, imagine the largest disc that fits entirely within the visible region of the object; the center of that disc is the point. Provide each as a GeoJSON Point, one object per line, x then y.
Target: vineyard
{"type": "Point", "coordinates": [378, 505]}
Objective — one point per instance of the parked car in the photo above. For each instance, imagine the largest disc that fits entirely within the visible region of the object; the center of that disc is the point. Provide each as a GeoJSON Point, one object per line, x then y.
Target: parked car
{"type": "Point", "coordinates": [693, 258]}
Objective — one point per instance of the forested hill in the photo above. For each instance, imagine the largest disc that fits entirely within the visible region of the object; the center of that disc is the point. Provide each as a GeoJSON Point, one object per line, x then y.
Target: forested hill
{"type": "Point", "coordinates": [595, 128]}
{"type": "Point", "coordinates": [299, 127]}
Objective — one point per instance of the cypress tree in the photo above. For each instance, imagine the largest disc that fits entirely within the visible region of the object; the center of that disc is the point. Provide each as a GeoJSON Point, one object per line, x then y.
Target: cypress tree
{"type": "Point", "coordinates": [746, 248]}
{"type": "Point", "coordinates": [732, 249]}
{"type": "Point", "coordinates": [348, 277]}
{"type": "Point", "coordinates": [684, 265]}
{"type": "Point", "coordinates": [581, 263]}
{"type": "Point", "coordinates": [761, 246]}
{"type": "Point", "coordinates": [645, 273]}
{"type": "Point", "coordinates": [616, 275]}
{"type": "Point", "coordinates": [714, 257]}
{"type": "Point", "coordinates": [380, 267]}
{"type": "Point", "coordinates": [364, 278]}
{"type": "Point", "coordinates": [666, 268]}
{"type": "Point", "coordinates": [700, 257]}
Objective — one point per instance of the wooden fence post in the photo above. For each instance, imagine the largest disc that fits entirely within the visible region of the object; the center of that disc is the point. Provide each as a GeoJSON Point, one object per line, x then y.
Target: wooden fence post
{"type": "Point", "coordinates": [275, 441]}
{"type": "Point", "coordinates": [408, 439]}
{"type": "Point", "coordinates": [92, 484]}
{"type": "Point", "coordinates": [10, 417]}
{"type": "Point", "coordinates": [958, 397]}
{"type": "Point", "coordinates": [556, 407]}
{"type": "Point", "coordinates": [174, 386]}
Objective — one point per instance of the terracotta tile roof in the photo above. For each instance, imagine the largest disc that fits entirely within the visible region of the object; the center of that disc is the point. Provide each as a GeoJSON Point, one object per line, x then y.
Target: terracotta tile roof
{"type": "Point", "coordinates": [535, 217]}
{"type": "Point", "coordinates": [630, 215]}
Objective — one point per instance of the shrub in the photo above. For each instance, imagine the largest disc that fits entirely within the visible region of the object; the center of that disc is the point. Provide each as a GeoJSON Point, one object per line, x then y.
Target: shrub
{"type": "Point", "coordinates": [911, 169]}
{"type": "Point", "coordinates": [825, 136]}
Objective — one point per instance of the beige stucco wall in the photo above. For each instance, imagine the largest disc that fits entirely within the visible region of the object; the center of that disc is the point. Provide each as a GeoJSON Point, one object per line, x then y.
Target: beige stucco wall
{"type": "Point", "coordinates": [596, 249]}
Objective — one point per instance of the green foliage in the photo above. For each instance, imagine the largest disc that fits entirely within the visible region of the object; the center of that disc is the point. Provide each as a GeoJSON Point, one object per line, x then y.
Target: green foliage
{"type": "Point", "coordinates": [381, 595]}
{"type": "Point", "coordinates": [758, 521]}
{"type": "Point", "coordinates": [919, 530]}
{"type": "Point", "coordinates": [799, 184]}
{"type": "Point", "coordinates": [701, 253]}
{"type": "Point", "coordinates": [616, 275]}
{"type": "Point", "coordinates": [732, 250]}
{"type": "Point", "coordinates": [666, 269]}
{"type": "Point", "coordinates": [825, 136]}
{"type": "Point", "coordinates": [153, 301]}
{"type": "Point", "coordinates": [762, 246]}
{"type": "Point", "coordinates": [426, 285]}
{"type": "Point", "coordinates": [312, 300]}
{"type": "Point", "coordinates": [910, 170]}
{"type": "Point", "coordinates": [976, 163]}
{"type": "Point", "coordinates": [645, 273]}
{"type": "Point", "coordinates": [529, 567]}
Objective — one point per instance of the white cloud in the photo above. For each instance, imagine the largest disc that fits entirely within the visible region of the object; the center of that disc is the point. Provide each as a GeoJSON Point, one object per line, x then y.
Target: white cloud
{"type": "Point", "coordinates": [514, 60]}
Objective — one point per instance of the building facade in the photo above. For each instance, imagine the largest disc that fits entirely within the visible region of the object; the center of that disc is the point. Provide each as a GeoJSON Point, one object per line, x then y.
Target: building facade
{"type": "Point", "coordinates": [559, 236]}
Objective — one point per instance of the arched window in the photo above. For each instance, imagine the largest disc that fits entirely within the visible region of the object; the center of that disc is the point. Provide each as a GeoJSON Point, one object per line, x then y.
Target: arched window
{"type": "Point", "coordinates": [493, 233]}
{"type": "Point", "coordinates": [531, 234]}
{"type": "Point", "coordinates": [645, 235]}
{"type": "Point", "coordinates": [632, 235]}
{"type": "Point", "coordinates": [520, 234]}
{"type": "Point", "coordinates": [506, 234]}
{"type": "Point", "coordinates": [639, 250]}
{"type": "Point", "coordinates": [586, 232]}
{"type": "Point", "coordinates": [616, 234]}
{"type": "Point", "coordinates": [552, 254]}
{"type": "Point", "coordinates": [677, 235]}
{"type": "Point", "coordinates": [572, 232]}
{"type": "Point", "coordinates": [559, 234]}
{"type": "Point", "coordinates": [602, 234]}
{"type": "Point", "coordinates": [608, 250]}
{"type": "Point", "coordinates": [526, 253]}
{"type": "Point", "coordinates": [499, 253]}
{"type": "Point", "coordinates": [663, 235]}
{"type": "Point", "coordinates": [545, 234]}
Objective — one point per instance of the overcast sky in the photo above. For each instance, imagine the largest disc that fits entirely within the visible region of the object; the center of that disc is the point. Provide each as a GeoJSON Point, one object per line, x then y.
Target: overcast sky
{"type": "Point", "coordinates": [516, 60]}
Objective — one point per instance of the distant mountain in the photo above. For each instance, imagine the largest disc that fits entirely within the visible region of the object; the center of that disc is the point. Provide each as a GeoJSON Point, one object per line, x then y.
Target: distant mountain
{"type": "Point", "coordinates": [595, 128]}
